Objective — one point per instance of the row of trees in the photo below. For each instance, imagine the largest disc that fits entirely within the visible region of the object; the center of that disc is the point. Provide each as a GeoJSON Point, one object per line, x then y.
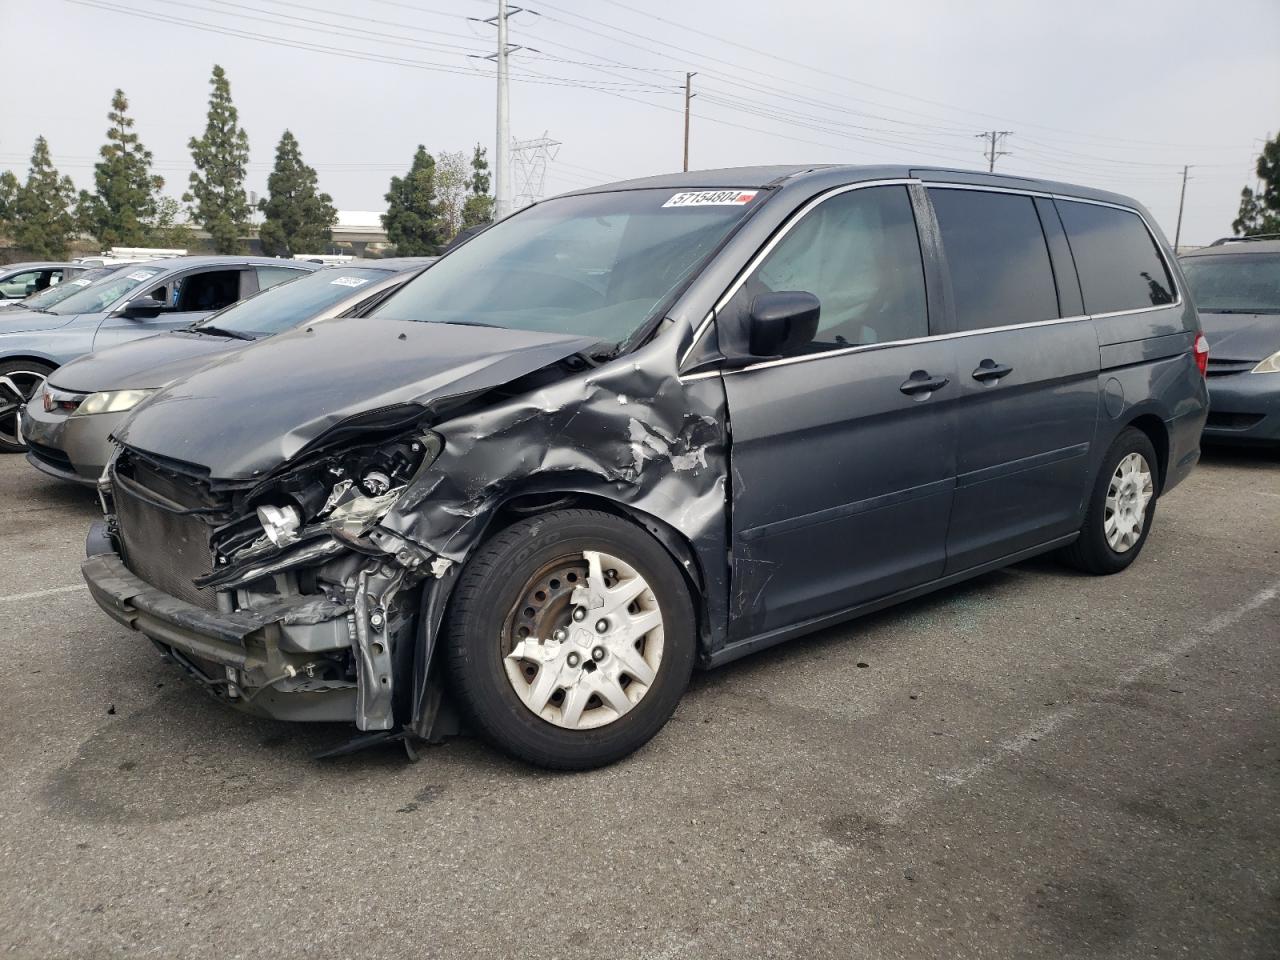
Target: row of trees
{"type": "Point", "coordinates": [44, 214]}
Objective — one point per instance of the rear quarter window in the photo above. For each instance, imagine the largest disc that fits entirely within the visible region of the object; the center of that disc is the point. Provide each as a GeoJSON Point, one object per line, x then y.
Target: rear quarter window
{"type": "Point", "coordinates": [1119, 264]}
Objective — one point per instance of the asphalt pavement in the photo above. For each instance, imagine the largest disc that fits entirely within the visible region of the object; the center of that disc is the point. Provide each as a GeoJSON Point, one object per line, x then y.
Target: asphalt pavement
{"type": "Point", "coordinates": [1032, 764]}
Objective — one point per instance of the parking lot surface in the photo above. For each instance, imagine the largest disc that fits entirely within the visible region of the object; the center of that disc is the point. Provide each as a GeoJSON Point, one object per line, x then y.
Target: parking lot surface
{"type": "Point", "coordinates": [1033, 764]}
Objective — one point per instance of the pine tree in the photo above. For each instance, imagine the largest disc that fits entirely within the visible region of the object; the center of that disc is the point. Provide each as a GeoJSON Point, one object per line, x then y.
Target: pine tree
{"type": "Point", "coordinates": [43, 224]}
{"type": "Point", "coordinates": [9, 187]}
{"type": "Point", "coordinates": [1260, 211]}
{"type": "Point", "coordinates": [123, 208]}
{"type": "Point", "coordinates": [298, 219]}
{"type": "Point", "coordinates": [479, 206]}
{"type": "Point", "coordinates": [217, 183]}
{"type": "Point", "coordinates": [412, 220]}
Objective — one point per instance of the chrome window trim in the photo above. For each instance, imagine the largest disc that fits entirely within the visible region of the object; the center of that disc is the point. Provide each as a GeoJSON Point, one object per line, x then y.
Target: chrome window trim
{"type": "Point", "coordinates": [862, 348]}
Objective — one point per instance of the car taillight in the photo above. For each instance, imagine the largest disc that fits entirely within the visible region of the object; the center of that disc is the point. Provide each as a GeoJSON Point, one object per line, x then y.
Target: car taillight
{"type": "Point", "coordinates": [1201, 351]}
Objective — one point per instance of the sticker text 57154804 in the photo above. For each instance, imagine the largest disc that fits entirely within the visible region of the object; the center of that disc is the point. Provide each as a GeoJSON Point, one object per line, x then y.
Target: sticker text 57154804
{"type": "Point", "coordinates": [712, 198]}
{"type": "Point", "coordinates": [350, 281]}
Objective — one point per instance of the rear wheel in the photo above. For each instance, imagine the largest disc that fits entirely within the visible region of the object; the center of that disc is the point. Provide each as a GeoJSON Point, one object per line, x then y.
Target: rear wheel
{"type": "Point", "coordinates": [570, 639]}
{"type": "Point", "coordinates": [19, 382]}
{"type": "Point", "coordinates": [1122, 506]}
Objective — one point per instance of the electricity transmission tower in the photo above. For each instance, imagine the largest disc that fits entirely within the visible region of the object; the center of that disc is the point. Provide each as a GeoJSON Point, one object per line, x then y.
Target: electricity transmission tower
{"type": "Point", "coordinates": [530, 159]}
{"type": "Point", "coordinates": [995, 140]}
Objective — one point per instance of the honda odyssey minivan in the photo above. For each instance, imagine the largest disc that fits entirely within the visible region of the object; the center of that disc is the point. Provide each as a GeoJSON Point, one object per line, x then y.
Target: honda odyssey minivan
{"type": "Point", "coordinates": [650, 426]}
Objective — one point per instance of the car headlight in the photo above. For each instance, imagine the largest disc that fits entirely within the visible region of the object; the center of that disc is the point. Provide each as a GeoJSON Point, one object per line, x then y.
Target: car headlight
{"type": "Point", "coordinates": [111, 401]}
{"type": "Point", "coordinates": [1269, 365]}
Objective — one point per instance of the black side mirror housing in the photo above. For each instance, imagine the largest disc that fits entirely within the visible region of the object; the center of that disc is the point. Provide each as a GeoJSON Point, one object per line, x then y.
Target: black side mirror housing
{"type": "Point", "coordinates": [782, 322]}
{"type": "Point", "coordinates": [142, 308]}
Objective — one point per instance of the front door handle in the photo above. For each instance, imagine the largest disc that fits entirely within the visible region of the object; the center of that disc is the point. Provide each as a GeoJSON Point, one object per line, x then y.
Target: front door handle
{"type": "Point", "coordinates": [989, 371]}
{"type": "Point", "coordinates": [921, 383]}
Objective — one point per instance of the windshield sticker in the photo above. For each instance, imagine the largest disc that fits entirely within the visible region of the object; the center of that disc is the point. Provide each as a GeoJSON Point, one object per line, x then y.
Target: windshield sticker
{"type": "Point", "coordinates": [81, 282]}
{"type": "Point", "coordinates": [712, 198]}
{"type": "Point", "coordinates": [143, 275]}
{"type": "Point", "coordinates": [350, 281]}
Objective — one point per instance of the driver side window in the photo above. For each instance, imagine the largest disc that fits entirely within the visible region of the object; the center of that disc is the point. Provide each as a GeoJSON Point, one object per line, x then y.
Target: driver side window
{"type": "Point", "coordinates": [859, 254]}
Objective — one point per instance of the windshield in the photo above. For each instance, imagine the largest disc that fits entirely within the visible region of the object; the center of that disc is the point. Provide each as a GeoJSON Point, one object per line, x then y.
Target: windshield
{"type": "Point", "coordinates": [47, 297]}
{"type": "Point", "coordinates": [1235, 282]}
{"type": "Point", "coordinates": [595, 265]}
{"type": "Point", "coordinates": [294, 301]}
{"type": "Point", "coordinates": [99, 296]}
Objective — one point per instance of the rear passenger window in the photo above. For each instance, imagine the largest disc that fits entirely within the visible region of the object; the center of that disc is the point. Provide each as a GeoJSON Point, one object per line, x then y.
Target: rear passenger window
{"type": "Point", "coordinates": [859, 254]}
{"type": "Point", "coordinates": [1119, 265]}
{"type": "Point", "coordinates": [997, 256]}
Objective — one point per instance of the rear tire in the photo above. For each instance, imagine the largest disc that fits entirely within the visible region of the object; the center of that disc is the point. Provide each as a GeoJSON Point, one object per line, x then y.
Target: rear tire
{"type": "Point", "coordinates": [1122, 506]}
{"type": "Point", "coordinates": [570, 639]}
{"type": "Point", "coordinates": [19, 381]}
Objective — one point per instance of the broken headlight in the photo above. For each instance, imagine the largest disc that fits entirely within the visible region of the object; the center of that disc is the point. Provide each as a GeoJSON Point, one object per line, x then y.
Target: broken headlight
{"type": "Point", "coordinates": [343, 493]}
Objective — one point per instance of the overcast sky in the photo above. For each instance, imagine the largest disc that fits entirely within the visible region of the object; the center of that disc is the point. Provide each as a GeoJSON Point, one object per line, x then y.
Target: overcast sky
{"type": "Point", "coordinates": [1118, 94]}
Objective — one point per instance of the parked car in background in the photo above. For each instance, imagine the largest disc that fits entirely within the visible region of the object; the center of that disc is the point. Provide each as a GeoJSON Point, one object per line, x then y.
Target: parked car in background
{"type": "Point", "coordinates": [509, 484]}
{"type": "Point", "coordinates": [67, 423]}
{"type": "Point", "coordinates": [1236, 287]}
{"type": "Point", "coordinates": [47, 297]}
{"type": "Point", "coordinates": [150, 298]}
{"type": "Point", "coordinates": [21, 280]}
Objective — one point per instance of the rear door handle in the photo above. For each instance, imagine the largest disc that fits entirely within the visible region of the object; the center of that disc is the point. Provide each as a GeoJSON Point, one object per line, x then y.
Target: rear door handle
{"type": "Point", "coordinates": [989, 371]}
{"type": "Point", "coordinates": [921, 383]}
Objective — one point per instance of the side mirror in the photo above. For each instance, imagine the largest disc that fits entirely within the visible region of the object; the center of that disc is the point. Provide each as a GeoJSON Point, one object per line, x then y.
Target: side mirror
{"type": "Point", "coordinates": [142, 308]}
{"type": "Point", "coordinates": [782, 322]}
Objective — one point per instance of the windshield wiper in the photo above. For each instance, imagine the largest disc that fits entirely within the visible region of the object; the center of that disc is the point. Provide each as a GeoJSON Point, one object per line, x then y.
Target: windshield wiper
{"type": "Point", "coordinates": [220, 332]}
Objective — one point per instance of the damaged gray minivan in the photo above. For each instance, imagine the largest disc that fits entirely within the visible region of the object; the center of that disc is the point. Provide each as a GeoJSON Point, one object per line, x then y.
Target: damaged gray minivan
{"type": "Point", "coordinates": [651, 426]}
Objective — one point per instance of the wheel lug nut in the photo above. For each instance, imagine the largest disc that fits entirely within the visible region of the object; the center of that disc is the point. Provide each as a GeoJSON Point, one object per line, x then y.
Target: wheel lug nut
{"type": "Point", "coordinates": [597, 654]}
{"type": "Point", "coordinates": [579, 614]}
{"type": "Point", "coordinates": [559, 634]}
{"type": "Point", "coordinates": [573, 659]}
{"type": "Point", "coordinates": [602, 626]}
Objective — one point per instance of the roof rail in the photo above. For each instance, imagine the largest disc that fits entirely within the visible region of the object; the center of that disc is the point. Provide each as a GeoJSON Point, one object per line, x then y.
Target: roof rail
{"type": "Point", "coordinates": [1257, 236]}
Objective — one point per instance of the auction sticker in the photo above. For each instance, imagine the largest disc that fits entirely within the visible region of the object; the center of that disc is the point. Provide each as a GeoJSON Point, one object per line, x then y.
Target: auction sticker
{"type": "Point", "coordinates": [143, 275]}
{"type": "Point", "coordinates": [349, 281]}
{"type": "Point", "coordinates": [712, 198]}
{"type": "Point", "coordinates": [82, 282]}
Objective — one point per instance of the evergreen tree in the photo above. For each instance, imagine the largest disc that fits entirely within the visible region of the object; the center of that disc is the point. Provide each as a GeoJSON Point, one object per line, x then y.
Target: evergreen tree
{"type": "Point", "coordinates": [124, 206]}
{"type": "Point", "coordinates": [412, 220]}
{"type": "Point", "coordinates": [1260, 211]}
{"type": "Point", "coordinates": [43, 224]}
{"type": "Point", "coordinates": [479, 206]}
{"type": "Point", "coordinates": [9, 187]}
{"type": "Point", "coordinates": [298, 219]}
{"type": "Point", "coordinates": [217, 183]}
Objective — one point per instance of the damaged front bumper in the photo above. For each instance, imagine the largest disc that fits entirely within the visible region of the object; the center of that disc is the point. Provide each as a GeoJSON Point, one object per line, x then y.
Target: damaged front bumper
{"type": "Point", "coordinates": [289, 656]}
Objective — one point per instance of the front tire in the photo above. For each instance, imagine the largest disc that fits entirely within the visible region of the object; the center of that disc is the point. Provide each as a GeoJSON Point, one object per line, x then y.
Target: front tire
{"type": "Point", "coordinates": [1122, 506]}
{"type": "Point", "coordinates": [19, 381]}
{"type": "Point", "coordinates": [570, 639]}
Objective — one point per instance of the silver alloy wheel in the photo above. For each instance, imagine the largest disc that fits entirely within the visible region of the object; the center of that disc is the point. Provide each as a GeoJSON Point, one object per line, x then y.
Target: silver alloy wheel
{"type": "Point", "coordinates": [16, 388]}
{"type": "Point", "coordinates": [1130, 491]}
{"type": "Point", "coordinates": [599, 657]}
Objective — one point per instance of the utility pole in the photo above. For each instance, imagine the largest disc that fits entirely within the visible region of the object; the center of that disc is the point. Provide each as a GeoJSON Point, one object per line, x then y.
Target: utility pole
{"type": "Point", "coordinates": [995, 140]}
{"type": "Point", "coordinates": [502, 152]}
{"type": "Point", "coordinates": [688, 96]}
{"type": "Point", "coordinates": [1182, 199]}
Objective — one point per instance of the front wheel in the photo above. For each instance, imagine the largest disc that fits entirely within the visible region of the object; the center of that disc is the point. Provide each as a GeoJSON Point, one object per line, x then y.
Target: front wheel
{"type": "Point", "coordinates": [1122, 506]}
{"type": "Point", "coordinates": [19, 382]}
{"type": "Point", "coordinates": [570, 639]}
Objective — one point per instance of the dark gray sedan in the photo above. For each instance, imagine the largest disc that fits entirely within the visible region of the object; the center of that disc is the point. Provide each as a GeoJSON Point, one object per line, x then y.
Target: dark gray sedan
{"type": "Point", "coordinates": [1236, 285]}
{"type": "Point", "coordinates": [68, 422]}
